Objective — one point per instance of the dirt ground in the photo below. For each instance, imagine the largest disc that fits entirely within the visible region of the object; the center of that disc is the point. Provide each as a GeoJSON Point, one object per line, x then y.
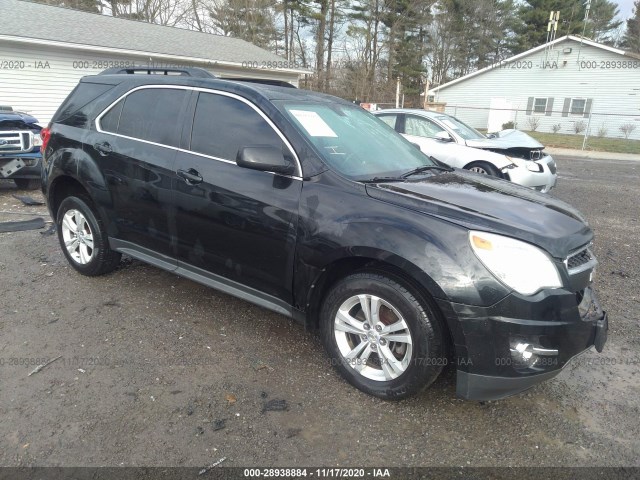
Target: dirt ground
{"type": "Point", "coordinates": [156, 370]}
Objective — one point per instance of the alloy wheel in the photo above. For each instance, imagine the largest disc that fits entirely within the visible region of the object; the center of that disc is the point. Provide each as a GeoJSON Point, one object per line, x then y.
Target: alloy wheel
{"type": "Point", "coordinates": [77, 236]}
{"type": "Point", "coordinates": [373, 337]}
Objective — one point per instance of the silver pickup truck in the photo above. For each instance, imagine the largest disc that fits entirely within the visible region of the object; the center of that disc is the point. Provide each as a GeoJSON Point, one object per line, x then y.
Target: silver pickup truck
{"type": "Point", "coordinates": [20, 158]}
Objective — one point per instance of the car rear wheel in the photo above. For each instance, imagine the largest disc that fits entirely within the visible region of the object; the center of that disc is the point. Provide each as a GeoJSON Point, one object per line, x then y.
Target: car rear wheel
{"type": "Point", "coordinates": [27, 183]}
{"type": "Point", "coordinates": [380, 337]}
{"type": "Point", "coordinates": [83, 238]}
{"type": "Point", "coordinates": [483, 168]}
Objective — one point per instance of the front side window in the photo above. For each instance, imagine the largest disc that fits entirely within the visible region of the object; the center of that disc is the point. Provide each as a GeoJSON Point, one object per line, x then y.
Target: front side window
{"type": "Point", "coordinates": [421, 127]}
{"type": "Point", "coordinates": [151, 114]}
{"type": "Point", "coordinates": [578, 106]}
{"type": "Point", "coordinates": [460, 128]}
{"type": "Point", "coordinates": [540, 105]}
{"type": "Point", "coordinates": [222, 125]}
{"type": "Point", "coordinates": [352, 141]}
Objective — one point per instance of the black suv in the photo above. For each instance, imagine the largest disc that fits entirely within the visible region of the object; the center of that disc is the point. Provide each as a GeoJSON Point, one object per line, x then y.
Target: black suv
{"type": "Point", "coordinates": [310, 206]}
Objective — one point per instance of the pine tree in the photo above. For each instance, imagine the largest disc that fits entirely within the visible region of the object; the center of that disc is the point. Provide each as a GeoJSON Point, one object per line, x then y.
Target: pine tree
{"type": "Point", "coordinates": [602, 21]}
{"type": "Point", "coordinates": [631, 40]}
{"type": "Point", "coordinates": [534, 15]}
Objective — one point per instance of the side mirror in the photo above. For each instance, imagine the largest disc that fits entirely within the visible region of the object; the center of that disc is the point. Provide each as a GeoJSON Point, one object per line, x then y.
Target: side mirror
{"type": "Point", "coordinates": [265, 158]}
{"type": "Point", "coordinates": [443, 137]}
{"type": "Point", "coordinates": [416, 145]}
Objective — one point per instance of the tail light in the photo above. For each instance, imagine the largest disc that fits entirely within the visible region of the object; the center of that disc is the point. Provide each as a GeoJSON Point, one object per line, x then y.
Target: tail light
{"type": "Point", "coordinates": [45, 134]}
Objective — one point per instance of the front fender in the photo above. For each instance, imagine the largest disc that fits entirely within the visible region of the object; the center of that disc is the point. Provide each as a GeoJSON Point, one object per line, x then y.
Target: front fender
{"type": "Point", "coordinates": [348, 223]}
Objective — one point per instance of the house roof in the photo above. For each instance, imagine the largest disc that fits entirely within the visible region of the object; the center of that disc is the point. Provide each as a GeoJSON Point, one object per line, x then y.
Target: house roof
{"type": "Point", "coordinates": [36, 23]}
{"type": "Point", "coordinates": [574, 38]}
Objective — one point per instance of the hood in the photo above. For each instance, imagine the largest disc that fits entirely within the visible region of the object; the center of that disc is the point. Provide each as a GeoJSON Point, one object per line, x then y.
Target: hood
{"type": "Point", "coordinates": [18, 121]}
{"type": "Point", "coordinates": [492, 205]}
{"type": "Point", "coordinates": [507, 139]}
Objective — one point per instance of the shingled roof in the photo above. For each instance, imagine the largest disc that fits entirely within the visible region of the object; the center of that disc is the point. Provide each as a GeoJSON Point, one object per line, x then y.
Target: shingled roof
{"type": "Point", "coordinates": [37, 21]}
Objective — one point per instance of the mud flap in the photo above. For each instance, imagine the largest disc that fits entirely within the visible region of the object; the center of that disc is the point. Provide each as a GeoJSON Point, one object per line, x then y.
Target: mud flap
{"type": "Point", "coordinates": [602, 329]}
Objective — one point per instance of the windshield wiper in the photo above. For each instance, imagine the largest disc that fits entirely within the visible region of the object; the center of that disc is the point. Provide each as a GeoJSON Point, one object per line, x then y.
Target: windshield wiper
{"type": "Point", "coordinates": [426, 168]}
{"type": "Point", "coordinates": [383, 180]}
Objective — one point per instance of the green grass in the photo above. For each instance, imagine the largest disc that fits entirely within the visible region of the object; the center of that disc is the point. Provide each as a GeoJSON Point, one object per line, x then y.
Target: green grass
{"type": "Point", "coordinates": [598, 144]}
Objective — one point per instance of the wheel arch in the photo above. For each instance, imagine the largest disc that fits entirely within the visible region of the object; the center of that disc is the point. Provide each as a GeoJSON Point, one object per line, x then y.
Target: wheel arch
{"type": "Point", "coordinates": [360, 259]}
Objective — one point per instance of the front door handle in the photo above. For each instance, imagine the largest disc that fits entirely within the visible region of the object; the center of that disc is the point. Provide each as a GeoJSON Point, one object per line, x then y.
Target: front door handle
{"type": "Point", "coordinates": [103, 147]}
{"type": "Point", "coordinates": [191, 176]}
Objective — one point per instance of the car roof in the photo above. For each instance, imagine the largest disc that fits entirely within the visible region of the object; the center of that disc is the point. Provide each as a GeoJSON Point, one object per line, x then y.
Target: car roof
{"type": "Point", "coordinates": [249, 88]}
{"type": "Point", "coordinates": [417, 111]}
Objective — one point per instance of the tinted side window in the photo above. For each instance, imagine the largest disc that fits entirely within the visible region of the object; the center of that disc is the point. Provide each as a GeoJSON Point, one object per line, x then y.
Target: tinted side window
{"type": "Point", "coordinates": [109, 121]}
{"type": "Point", "coordinates": [81, 96]}
{"type": "Point", "coordinates": [152, 114]}
{"type": "Point", "coordinates": [222, 125]}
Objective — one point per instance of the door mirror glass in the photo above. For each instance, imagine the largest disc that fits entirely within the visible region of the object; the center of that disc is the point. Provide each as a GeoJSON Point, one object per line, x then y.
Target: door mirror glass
{"type": "Point", "coordinates": [443, 137]}
{"type": "Point", "coordinates": [265, 158]}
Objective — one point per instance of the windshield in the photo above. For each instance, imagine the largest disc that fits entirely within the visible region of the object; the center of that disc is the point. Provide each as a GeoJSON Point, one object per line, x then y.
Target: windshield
{"type": "Point", "coordinates": [354, 142]}
{"type": "Point", "coordinates": [460, 128]}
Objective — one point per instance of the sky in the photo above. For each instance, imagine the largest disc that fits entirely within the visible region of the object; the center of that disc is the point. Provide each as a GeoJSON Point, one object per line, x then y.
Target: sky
{"type": "Point", "coordinates": [626, 8]}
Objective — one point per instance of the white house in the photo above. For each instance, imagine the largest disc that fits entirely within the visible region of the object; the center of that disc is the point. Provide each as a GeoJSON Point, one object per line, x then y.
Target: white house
{"type": "Point", "coordinates": [45, 50]}
{"type": "Point", "coordinates": [573, 83]}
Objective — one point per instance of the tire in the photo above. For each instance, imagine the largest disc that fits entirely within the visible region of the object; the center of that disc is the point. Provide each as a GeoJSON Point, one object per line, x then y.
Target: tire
{"type": "Point", "coordinates": [90, 255]}
{"type": "Point", "coordinates": [413, 366]}
{"type": "Point", "coordinates": [483, 168]}
{"type": "Point", "coordinates": [27, 183]}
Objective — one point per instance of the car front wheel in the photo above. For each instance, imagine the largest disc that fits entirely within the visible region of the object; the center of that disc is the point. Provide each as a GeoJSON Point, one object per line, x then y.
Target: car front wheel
{"type": "Point", "coordinates": [483, 168]}
{"type": "Point", "coordinates": [380, 337]}
{"type": "Point", "coordinates": [83, 238]}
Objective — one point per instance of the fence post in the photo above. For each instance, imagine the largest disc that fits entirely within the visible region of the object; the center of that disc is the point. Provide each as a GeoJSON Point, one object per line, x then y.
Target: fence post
{"type": "Point", "coordinates": [588, 130]}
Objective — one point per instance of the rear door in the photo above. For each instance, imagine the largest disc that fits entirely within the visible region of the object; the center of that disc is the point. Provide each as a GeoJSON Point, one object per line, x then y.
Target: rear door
{"type": "Point", "coordinates": [135, 146]}
{"type": "Point", "coordinates": [235, 225]}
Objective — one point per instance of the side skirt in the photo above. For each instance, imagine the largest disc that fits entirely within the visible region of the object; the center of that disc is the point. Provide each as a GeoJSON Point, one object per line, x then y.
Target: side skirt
{"type": "Point", "coordinates": [206, 278]}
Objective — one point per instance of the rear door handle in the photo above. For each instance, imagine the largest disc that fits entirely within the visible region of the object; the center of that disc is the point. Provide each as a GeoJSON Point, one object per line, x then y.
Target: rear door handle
{"type": "Point", "coordinates": [191, 176]}
{"type": "Point", "coordinates": [103, 147]}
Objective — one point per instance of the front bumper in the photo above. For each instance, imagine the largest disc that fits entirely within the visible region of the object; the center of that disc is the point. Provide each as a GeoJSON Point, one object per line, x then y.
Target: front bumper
{"type": "Point", "coordinates": [21, 165]}
{"type": "Point", "coordinates": [558, 323]}
{"type": "Point", "coordinates": [542, 181]}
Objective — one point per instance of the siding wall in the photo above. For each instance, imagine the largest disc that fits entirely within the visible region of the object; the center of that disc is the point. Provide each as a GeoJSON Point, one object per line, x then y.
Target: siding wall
{"type": "Point", "coordinates": [612, 88]}
{"type": "Point", "coordinates": [39, 89]}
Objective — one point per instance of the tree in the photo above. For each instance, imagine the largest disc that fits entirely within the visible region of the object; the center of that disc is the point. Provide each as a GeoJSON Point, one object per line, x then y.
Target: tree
{"type": "Point", "coordinates": [84, 5]}
{"type": "Point", "coordinates": [602, 22]}
{"type": "Point", "coordinates": [631, 39]}
{"type": "Point", "coordinates": [250, 20]}
{"type": "Point", "coordinates": [534, 15]}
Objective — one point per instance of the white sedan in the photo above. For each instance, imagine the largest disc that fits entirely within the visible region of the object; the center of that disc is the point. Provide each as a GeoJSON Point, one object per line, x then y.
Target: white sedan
{"type": "Point", "coordinates": [443, 137]}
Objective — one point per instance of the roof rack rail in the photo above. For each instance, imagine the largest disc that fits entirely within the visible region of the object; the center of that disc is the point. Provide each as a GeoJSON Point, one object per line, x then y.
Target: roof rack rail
{"type": "Point", "coordinates": [275, 83]}
{"type": "Point", "coordinates": [185, 72]}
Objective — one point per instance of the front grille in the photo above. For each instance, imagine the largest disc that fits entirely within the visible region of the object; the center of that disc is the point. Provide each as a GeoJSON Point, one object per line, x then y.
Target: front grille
{"type": "Point", "coordinates": [15, 142]}
{"type": "Point", "coordinates": [536, 154]}
{"type": "Point", "coordinates": [578, 259]}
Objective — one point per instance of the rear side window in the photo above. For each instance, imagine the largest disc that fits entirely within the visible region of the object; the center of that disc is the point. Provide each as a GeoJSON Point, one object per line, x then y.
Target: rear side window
{"type": "Point", "coordinates": [151, 114]}
{"type": "Point", "coordinates": [389, 120]}
{"type": "Point", "coordinates": [71, 112]}
{"type": "Point", "coordinates": [222, 125]}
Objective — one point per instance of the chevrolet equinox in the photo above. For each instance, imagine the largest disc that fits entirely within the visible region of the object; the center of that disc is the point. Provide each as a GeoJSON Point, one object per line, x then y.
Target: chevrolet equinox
{"type": "Point", "coordinates": [307, 205]}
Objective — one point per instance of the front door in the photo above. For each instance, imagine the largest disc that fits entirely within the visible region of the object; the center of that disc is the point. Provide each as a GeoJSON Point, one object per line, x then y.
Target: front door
{"type": "Point", "coordinates": [234, 222]}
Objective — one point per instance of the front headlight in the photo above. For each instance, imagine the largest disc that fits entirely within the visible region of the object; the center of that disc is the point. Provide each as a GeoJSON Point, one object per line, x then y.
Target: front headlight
{"type": "Point", "coordinates": [37, 140]}
{"type": "Point", "coordinates": [528, 164]}
{"type": "Point", "coordinates": [519, 265]}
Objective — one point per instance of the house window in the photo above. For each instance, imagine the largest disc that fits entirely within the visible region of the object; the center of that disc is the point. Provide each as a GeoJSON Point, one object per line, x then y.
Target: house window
{"type": "Point", "coordinates": [578, 106]}
{"type": "Point", "coordinates": [540, 105]}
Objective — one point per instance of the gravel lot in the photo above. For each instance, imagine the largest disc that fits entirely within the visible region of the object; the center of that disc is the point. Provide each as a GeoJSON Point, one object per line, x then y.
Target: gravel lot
{"type": "Point", "coordinates": [158, 370]}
